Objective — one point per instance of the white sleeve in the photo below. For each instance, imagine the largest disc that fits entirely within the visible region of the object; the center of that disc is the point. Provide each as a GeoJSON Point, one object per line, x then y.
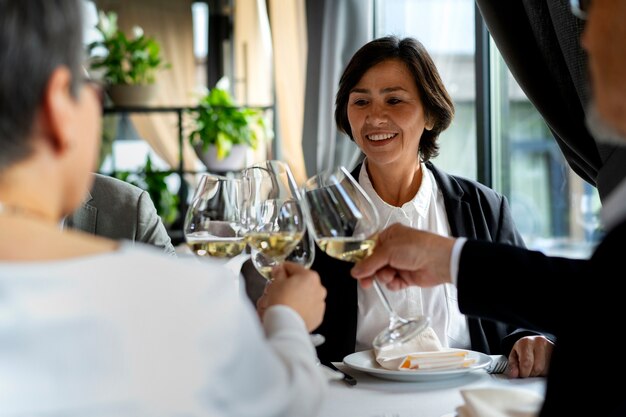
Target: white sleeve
{"type": "Point", "coordinates": [276, 373]}
{"type": "Point", "coordinates": [455, 258]}
{"type": "Point", "coordinates": [239, 367]}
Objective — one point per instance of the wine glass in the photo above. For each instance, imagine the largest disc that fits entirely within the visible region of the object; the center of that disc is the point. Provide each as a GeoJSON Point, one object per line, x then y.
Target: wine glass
{"type": "Point", "coordinates": [275, 223]}
{"type": "Point", "coordinates": [303, 254]}
{"type": "Point", "coordinates": [272, 185]}
{"type": "Point", "coordinates": [344, 223]}
{"type": "Point", "coordinates": [213, 223]}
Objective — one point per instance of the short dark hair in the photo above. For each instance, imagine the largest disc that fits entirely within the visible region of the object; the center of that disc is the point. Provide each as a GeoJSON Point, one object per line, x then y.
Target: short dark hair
{"type": "Point", "coordinates": [36, 37]}
{"type": "Point", "coordinates": [438, 106]}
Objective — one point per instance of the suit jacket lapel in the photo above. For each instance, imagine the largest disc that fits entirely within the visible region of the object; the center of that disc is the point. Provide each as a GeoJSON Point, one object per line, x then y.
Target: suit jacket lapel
{"type": "Point", "coordinates": [457, 210]}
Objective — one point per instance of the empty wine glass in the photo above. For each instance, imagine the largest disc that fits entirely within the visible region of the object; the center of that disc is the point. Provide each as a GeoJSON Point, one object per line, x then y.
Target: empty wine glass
{"type": "Point", "coordinates": [213, 223]}
{"type": "Point", "coordinates": [344, 223]}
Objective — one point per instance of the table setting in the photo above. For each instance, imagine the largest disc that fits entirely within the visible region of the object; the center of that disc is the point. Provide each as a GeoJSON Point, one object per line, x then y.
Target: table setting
{"type": "Point", "coordinates": [431, 395]}
{"type": "Point", "coordinates": [407, 372]}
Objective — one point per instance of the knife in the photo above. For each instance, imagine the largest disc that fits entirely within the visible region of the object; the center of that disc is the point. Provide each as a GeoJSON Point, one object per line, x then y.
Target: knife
{"type": "Point", "coordinates": [348, 379]}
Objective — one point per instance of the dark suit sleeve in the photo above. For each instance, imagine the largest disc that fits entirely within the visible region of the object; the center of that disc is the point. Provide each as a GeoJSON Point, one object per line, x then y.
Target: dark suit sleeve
{"type": "Point", "coordinates": [478, 212]}
{"type": "Point", "coordinates": [515, 285]}
{"type": "Point", "coordinates": [508, 234]}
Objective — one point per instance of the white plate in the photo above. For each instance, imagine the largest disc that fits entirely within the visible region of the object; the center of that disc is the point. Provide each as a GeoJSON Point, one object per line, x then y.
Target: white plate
{"type": "Point", "coordinates": [366, 362]}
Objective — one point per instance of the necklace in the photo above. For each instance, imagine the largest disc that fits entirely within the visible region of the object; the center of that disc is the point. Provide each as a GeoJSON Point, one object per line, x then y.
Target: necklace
{"type": "Point", "coordinates": [20, 211]}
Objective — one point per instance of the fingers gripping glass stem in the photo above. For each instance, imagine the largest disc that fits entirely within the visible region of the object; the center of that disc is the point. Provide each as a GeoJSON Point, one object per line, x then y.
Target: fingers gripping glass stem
{"type": "Point", "coordinates": [344, 223]}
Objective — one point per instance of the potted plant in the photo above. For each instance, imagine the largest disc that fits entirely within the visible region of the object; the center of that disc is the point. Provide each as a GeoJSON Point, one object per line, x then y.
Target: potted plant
{"type": "Point", "coordinates": [222, 132]}
{"type": "Point", "coordinates": [129, 65]}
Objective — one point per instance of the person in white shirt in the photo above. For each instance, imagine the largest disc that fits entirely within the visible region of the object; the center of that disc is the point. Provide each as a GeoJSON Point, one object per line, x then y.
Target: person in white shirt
{"type": "Point", "coordinates": [392, 103]}
{"type": "Point", "coordinates": [95, 327]}
{"type": "Point", "coordinates": [590, 305]}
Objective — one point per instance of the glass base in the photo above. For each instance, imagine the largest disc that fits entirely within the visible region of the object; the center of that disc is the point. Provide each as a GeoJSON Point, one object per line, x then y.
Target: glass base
{"type": "Point", "coordinates": [400, 333]}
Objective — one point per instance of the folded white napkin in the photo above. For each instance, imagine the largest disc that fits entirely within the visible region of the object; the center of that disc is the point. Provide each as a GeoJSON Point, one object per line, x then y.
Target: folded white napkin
{"type": "Point", "coordinates": [424, 352]}
{"type": "Point", "coordinates": [499, 402]}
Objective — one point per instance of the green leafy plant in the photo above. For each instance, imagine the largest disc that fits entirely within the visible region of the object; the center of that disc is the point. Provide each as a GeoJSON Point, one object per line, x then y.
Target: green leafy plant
{"type": "Point", "coordinates": [154, 183]}
{"type": "Point", "coordinates": [130, 61]}
{"type": "Point", "coordinates": [218, 121]}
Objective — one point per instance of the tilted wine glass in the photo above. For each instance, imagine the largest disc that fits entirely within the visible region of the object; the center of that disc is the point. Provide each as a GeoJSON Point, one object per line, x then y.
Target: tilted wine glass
{"type": "Point", "coordinates": [213, 223]}
{"type": "Point", "coordinates": [344, 223]}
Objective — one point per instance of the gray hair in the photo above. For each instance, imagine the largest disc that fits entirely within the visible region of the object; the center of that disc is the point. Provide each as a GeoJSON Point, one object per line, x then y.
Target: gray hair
{"type": "Point", "coordinates": [36, 37]}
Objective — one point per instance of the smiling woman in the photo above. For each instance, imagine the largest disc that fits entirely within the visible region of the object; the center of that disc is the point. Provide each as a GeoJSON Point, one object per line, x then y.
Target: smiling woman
{"type": "Point", "coordinates": [393, 104]}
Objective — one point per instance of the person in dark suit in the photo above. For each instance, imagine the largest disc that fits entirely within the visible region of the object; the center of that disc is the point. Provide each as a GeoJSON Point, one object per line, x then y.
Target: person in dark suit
{"type": "Point", "coordinates": [590, 311]}
{"type": "Point", "coordinates": [118, 210]}
{"type": "Point", "coordinates": [392, 103]}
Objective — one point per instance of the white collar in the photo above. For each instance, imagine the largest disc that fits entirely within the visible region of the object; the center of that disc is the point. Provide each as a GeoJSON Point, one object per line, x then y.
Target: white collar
{"type": "Point", "coordinates": [419, 203]}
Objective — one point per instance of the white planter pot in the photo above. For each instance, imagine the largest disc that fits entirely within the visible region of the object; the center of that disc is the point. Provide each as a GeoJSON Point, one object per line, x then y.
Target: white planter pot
{"type": "Point", "coordinates": [235, 161]}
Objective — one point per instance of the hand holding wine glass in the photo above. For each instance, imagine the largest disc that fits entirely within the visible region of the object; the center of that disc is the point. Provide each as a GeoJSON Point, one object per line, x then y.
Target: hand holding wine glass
{"type": "Point", "coordinates": [344, 223]}
{"type": "Point", "coordinates": [299, 288]}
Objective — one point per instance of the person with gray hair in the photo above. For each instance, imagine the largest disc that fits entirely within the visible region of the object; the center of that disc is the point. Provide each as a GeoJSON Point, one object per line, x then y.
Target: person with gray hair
{"type": "Point", "coordinates": [92, 326]}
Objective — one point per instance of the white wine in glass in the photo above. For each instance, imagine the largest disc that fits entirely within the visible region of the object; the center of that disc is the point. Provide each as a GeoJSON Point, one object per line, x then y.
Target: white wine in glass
{"type": "Point", "coordinates": [275, 227]}
{"type": "Point", "coordinates": [344, 223]}
{"type": "Point", "coordinates": [303, 253]}
{"type": "Point", "coordinates": [213, 225]}
{"type": "Point", "coordinates": [347, 248]}
{"type": "Point", "coordinates": [275, 223]}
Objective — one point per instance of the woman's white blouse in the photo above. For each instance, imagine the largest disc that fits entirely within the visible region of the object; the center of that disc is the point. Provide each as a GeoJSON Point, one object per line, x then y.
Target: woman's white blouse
{"type": "Point", "coordinates": [426, 211]}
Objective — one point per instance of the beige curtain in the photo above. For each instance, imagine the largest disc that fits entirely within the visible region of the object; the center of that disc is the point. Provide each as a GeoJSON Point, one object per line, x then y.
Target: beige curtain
{"type": "Point", "coordinates": [170, 23]}
{"type": "Point", "coordinates": [256, 46]}
{"type": "Point", "coordinates": [289, 39]}
{"type": "Point", "coordinates": [253, 63]}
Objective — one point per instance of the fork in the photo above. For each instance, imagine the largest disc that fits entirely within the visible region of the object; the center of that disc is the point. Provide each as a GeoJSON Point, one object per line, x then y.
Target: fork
{"type": "Point", "coordinates": [498, 364]}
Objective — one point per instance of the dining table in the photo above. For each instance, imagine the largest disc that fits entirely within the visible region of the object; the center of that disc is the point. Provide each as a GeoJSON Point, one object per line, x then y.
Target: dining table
{"type": "Point", "coordinates": [373, 396]}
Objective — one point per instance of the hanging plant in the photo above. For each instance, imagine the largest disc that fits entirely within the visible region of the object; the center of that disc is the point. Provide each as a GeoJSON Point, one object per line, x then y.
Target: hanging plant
{"type": "Point", "coordinates": [131, 61]}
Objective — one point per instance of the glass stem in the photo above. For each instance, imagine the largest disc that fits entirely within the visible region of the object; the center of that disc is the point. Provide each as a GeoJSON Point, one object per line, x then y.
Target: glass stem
{"type": "Point", "coordinates": [393, 316]}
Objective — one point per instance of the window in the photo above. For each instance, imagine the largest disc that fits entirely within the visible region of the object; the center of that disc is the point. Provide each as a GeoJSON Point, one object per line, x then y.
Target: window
{"type": "Point", "coordinates": [554, 209]}
{"type": "Point", "coordinates": [200, 15]}
{"type": "Point", "coordinates": [446, 28]}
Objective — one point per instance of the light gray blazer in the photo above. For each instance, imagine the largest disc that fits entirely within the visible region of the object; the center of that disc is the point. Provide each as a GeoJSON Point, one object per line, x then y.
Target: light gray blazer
{"type": "Point", "coordinates": [119, 210]}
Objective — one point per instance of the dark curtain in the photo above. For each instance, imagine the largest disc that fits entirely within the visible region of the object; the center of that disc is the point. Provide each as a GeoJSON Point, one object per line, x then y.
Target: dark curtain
{"type": "Point", "coordinates": [540, 43]}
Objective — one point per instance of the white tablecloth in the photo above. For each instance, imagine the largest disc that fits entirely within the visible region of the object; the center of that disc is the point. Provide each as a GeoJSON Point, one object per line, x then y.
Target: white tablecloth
{"type": "Point", "coordinates": [375, 397]}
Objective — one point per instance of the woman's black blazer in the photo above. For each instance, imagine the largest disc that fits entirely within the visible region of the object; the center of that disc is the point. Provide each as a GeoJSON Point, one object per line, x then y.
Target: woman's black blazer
{"type": "Point", "coordinates": [473, 211]}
